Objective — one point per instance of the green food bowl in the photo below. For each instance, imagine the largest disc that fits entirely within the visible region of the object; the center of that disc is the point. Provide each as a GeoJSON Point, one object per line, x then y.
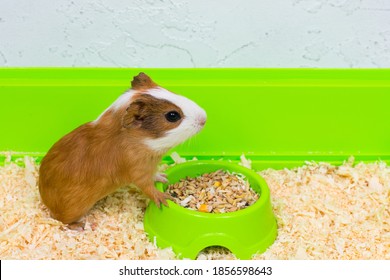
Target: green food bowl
{"type": "Point", "coordinates": [244, 232]}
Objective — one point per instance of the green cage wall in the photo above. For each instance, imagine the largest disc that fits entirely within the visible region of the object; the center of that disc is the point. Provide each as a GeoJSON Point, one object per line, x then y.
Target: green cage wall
{"type": "Point", "coordinates": [275, 117]}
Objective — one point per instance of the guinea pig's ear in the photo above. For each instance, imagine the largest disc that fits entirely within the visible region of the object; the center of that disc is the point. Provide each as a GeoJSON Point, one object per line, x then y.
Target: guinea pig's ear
{"type": "Point", "coordinates": [142, 81]}
{"type": "Point", "coordinates": [134, 115]}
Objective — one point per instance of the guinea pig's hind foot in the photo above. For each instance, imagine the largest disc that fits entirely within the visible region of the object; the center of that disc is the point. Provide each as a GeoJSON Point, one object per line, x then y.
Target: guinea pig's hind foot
{"type": "Point", "coordinates": [77, 226]}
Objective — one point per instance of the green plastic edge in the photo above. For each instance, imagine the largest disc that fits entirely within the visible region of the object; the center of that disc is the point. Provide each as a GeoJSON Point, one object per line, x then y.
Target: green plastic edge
{"type": "Point", "coordinates": [257, 163]}
{"type": "Point", "coordinates": [323, 78]}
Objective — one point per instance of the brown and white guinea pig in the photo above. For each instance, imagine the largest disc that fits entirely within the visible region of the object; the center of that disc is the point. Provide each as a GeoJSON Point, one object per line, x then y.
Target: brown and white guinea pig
{"type": "Point", "coordinates": [123, 146]}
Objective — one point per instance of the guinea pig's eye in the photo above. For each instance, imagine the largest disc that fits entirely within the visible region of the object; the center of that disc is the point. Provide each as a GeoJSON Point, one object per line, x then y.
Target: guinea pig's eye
{"type": "Point", "coordinates": [172, 116]}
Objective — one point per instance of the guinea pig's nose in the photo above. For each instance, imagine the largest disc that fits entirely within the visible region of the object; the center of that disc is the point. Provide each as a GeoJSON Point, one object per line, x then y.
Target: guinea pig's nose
{"type": "Point", "coordinates": [202, 120]}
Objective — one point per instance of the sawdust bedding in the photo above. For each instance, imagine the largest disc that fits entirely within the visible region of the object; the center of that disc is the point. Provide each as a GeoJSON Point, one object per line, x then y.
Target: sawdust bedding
{"type": "Point", "coordinates": [323, 212]}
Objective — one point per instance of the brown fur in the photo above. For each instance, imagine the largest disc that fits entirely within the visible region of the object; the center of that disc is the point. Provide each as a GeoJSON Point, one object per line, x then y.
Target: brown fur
{"type": "Point", "coordinates": [96, 158]}
{"type": "Point", "coordinates": [147, 112]}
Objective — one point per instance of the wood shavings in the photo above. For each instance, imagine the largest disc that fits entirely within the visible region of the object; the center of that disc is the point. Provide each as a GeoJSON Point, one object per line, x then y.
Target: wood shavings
{"type": "Point", "coordinates": [215, 192]}
{"type": "Point", "coordinates": [323, 212]}
{"type": "Point", "coordinates": [28, 232]}
{"type": "Point", "coordinates": [177, 159]}
{"type": "Point", "coordinates": [245, 162]}
{"type": "Point", "coordinates": [328, 212]}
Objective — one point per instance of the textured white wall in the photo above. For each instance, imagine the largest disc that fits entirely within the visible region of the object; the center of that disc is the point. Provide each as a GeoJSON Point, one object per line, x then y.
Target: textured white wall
{"type": "Point", "coordinates": [198, 33]}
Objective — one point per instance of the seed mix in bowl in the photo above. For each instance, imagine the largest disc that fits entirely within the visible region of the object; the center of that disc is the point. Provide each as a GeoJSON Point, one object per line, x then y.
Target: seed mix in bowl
{"type": "Point", "coordinates": [215, 192]}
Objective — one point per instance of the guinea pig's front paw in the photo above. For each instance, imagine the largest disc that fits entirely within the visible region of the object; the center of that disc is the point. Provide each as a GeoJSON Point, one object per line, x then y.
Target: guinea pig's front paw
{"type": "Point", "coordinates": [161, 177]}
{"type": "Point", "coordinates": [161, 198]}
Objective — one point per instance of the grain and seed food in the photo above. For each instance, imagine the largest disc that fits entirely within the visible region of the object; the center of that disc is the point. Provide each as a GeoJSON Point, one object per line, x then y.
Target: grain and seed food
{"type": "Point", "coordinates": [215, 192]}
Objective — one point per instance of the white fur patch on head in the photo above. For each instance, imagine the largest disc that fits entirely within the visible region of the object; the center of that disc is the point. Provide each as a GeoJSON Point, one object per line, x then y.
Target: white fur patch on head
{"type": "Point", "coordinates": [194, 118]}
{"type": "Point", "coordinates": [121, 101]}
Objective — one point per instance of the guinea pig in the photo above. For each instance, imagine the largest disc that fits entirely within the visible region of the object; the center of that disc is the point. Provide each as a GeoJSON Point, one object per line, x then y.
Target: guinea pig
{"type": "Point", "coordinates": [123, 146]}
